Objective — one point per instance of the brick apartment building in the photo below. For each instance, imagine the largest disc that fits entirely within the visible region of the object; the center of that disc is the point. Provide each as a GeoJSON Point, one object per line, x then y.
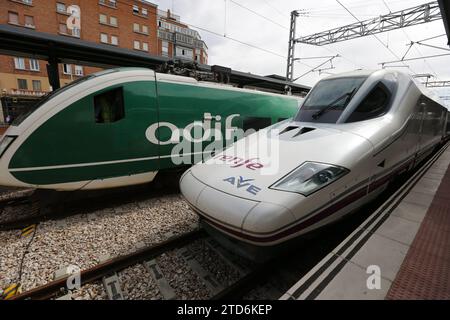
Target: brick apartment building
{"type": "Point", "coordinates": [132, 24]}
{"type": "Point", "coordinates": [177, 39]}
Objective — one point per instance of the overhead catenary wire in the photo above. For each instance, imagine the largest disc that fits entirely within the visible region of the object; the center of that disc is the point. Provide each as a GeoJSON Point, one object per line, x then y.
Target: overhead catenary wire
{"type": "Point", "coordinates": [418, 58]}
{"type": "Point", "coordinates": [303, 14]}
{"type": "Point", "coordinates": [228, 37]}
{"type": "Point", "coordinates": [315, 68]}
{"type": "Point", "coordinates": [260, 48]}
{"type": "Point", "coordinates": [258, 14]}
{"type": "Point", "coordinates": [353, 5]}
{"type": "Point", "coordinates": [375, 36]}
{"type": "Point", "coordinates": [407, 36]}
{"type": "Point", "coordinates": [284, 15]}
{"type": "Point", "coordinates": [431, 38]}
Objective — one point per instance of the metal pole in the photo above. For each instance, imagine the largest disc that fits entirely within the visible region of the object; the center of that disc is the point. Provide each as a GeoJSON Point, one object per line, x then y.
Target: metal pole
{"type": "Point", "coordinates": [52, 68]}
{"type": "Point", "coordinates": [291, 49]}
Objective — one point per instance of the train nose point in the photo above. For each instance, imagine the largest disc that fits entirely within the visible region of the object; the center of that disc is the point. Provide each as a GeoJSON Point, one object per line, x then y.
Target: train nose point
{"type": "Point", "coordinates": [267, 218]}
{"type": "Point", "coordinates": [190, 187]}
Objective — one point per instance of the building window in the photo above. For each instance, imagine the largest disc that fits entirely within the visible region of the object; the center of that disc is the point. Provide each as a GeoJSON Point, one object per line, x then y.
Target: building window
{"type": "Point", "coordinates": [135, 9]}
{"type": "Point", "coordinates": [103, 38]}
{"type": "Point", "coordinates": [144, 12]}
{"type": "Point", "coordinates": [34, 65]}
{"type": "Point", "coordinates": [137, 45]}
{"type": "Point", "coordinates": [79, 70]}
{"type": "Point", "coordinates": [19, 63]}
{"type": "Point", "coordinates": [13, 17]}
{"type": "Point", "coordinates": [103, 18]}
{"type": "Point", "coordinates": [165, 48]}
{"type": "Point", "coordinates": [29, 2]}
{"type": "Point", "coordinates": [145, 29]}
{"type": "Point", "coordinates": [29, 21]}
{"type": "Point", "coordinates": [63, 28]}
{"type": "Point", "coordinates": [145, 46]}
{"type": "Point", "coordinates": [113, 21]}
{"type": "Point", "coordinates": [110, 3]}
{"type": "Point", "coordinates": [61, 7]}
{"type": "Point", "coordinates": [67, 69]}
{"type": "Point", "coordinates": [184, 52]}
{"type": "Point", "coordinates": [22, 84]}
{"type": "Point", "coordinates": [109, 106]}
{"type": "Point", "coordinates": [37, 85]}
{"type": "Point", "coordinates": [136, 27]}
{"type": "Point", "coordinates": [114, 40]}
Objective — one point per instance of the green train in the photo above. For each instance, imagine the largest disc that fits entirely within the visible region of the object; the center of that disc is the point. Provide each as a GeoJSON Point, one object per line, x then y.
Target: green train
{"type": "Point", "coordinates": [123, 126]}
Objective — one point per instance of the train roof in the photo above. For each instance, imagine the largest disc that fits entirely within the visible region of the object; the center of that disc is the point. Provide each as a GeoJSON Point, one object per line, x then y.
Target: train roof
{"type": "Point", "coordinates": [367, 73]}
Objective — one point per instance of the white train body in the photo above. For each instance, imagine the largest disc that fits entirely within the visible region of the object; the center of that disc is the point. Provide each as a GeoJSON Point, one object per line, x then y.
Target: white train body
{"type": "Point", "coordinates": [328, 164]}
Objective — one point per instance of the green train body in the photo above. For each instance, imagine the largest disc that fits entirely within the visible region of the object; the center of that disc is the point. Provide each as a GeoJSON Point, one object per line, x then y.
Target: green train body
{"type": "Point", "coordinates": [119, 127]}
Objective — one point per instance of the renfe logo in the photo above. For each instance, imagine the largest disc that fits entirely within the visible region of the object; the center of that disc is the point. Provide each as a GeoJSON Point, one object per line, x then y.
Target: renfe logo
{"type": "Point", "coordinates": [243, 183]}
{"type": "Point", "coordinates": [236, 162]}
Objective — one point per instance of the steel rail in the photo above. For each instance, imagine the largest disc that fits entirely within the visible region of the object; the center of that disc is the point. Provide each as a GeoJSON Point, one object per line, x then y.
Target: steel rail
{"type": "Point", "coordinates": [50, 289]}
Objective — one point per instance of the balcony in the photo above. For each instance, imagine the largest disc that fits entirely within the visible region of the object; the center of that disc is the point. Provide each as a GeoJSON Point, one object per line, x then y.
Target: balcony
{"type": "Point", "coordinates": [184, 39]}
{"type": "Point", "coordinates": [164, 35]}
{"type": "Point", "coordinates": [168, 14]}
{"type": "Point", "coordinates": [200, 44]}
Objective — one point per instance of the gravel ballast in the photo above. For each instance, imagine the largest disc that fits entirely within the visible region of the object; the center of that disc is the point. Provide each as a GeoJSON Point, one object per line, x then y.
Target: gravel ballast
{"type": "Point", "coordinates": [82, 239]}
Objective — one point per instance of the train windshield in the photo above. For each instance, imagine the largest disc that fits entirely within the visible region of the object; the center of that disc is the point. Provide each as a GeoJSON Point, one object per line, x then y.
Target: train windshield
{"type": "Point", "coordinates": [56, 92]}
{"type": "Point", "coordinates": [328, 99]}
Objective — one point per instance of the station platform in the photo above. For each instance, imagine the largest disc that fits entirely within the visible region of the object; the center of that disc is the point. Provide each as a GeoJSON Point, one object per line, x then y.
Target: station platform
{"type": "Point", "coordinates": [402, 251]}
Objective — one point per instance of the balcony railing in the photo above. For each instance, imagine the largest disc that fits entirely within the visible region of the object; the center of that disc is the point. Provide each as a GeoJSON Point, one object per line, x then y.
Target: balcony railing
{"type": "Point", "coordinates": [164, 35]}
{"type": "Point", "coordinates": [163, 13]}
{"type": "Point", "coordinates": [184, 39]}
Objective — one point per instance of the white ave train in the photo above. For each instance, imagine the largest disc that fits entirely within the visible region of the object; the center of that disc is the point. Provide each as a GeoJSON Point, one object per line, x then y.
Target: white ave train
{"type": "Point", "coordinates": [354, 133]}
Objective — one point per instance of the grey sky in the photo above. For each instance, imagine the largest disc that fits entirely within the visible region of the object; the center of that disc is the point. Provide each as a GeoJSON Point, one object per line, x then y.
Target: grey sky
{"type": "Point", "coordinates": [227, 17]}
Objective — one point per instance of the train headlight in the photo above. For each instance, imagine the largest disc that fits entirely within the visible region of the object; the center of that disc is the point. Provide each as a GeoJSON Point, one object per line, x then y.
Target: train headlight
{"type": "Point", "coordinates": [5, 143]}
{"type": "Point", "coordinates": [310, 177]}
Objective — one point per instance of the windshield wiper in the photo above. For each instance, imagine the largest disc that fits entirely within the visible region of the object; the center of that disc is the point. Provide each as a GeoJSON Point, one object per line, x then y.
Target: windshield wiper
{"type": "Point", "coordinates": [333, 105]}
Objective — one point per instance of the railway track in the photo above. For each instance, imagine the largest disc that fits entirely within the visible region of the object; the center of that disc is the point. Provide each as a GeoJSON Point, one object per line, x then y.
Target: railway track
{"type": "Point", "coordinates": [22, 207]}
{"type": "Point", "coordinates": [249, 279]}
{"type": "Point", "coordinates": [52, 289]}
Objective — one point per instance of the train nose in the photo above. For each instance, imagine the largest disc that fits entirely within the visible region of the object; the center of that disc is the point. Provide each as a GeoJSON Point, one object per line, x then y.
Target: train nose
{"type": "Point", "coordinates": [215, 205]}
{"type": "Point", "coordinates": [246, 219]}
{"type": "Point", "coordinates": [266, 220]}
{"type": "Point", "coordinates": [6, 178]}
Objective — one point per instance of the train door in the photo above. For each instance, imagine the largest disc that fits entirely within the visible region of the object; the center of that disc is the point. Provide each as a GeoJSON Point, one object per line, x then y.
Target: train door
{"type": "Point", "coordinates": [420, 118]}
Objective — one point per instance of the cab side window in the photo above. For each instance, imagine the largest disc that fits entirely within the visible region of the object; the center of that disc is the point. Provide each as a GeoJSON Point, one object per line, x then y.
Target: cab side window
{"type": "Point", "coordinates": [109, 106]}
{"type": "Point", "coordinates": [374, 105]}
